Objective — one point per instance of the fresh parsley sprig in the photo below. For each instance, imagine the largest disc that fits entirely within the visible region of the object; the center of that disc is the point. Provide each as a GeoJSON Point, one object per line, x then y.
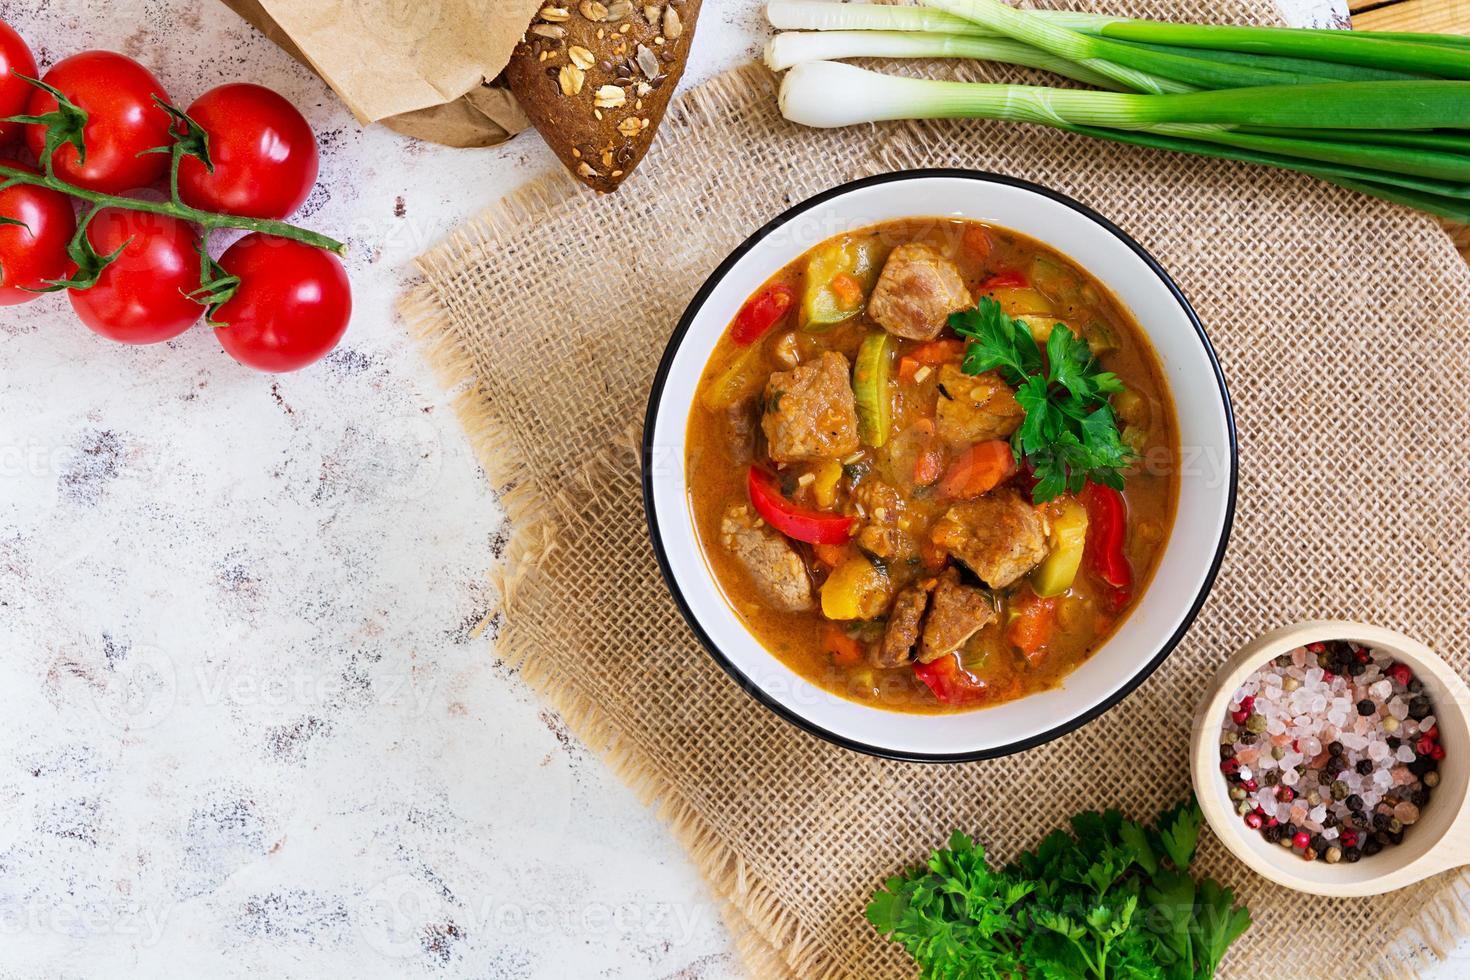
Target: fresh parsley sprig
{"type": "Point", "coordinates": [1069, 435]}
{"type": "Point", "coordinates": [1110, 898]}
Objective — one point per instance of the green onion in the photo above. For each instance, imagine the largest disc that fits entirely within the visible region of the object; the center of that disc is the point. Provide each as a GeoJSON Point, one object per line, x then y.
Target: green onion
{"type": "Point", "coordinates": [793, 48]}
{"type": "Point", "coordinates": [1391, 159]}
{"type": "Point", "coordinates": [827, 94]}
{"type": "Point", "coordinates": [826, 15]}
{"type": "Point", "coordinates": [1414, 199]}
{"type": "Point", "coordinates": [1449, 142]}
{"type": "Point", "coordinates": [1448, 200]}
{"type": "Point", "coordinates": [1385, 114]}
{"type": "Point", "coordinates": [1320, 70]}
{"type": "Point", "coordinates": [1138, 68]}
{"type": "Point", "coordinates": [1442, 40]}
{"type": "Point", "coordinates": [1438, 55]}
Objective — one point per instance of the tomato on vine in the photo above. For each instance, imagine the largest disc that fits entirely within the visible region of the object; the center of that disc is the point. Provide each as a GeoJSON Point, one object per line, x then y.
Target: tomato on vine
{"type": "Point", "coordinates": [122, 122]}
{"type": "Point", "coordinates": [143, 296]}
{"type": "Point", "coordinates": [15, 60]}
{"type": "Point", "coordinates": [263, 151]}
{"type": "Point", "coordinates": [136, 268]}
{"type": "Point", "coordinates": [35, 226]}
{"type": "Point", "coordinates": [290, 307]}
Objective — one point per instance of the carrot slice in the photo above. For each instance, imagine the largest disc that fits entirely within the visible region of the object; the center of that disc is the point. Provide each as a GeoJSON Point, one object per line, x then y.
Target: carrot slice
{"type": "Point", "coordinates": [928, 467]}
{"type": "Point", "coordinates": [977, 242]}
{"type": "Point", "coordinates": [831, 555]}
{"type": "Point", "coordinates": [938, 352]}
{"type": "Point", "coordinates": [847, 289]}
{"type": "Point", "coordinates": [1033, 621]}
{"type": "Point", "coordinates": [846, 651]}
{"type": "Point", "coordinates": [979, 469]}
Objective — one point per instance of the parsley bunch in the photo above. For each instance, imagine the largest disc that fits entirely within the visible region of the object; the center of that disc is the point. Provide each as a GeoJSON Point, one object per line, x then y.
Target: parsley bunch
{"type": "Point", "coordinates": [1111, 899]}
{"type": "Point", "coordinates": [1069, 434]}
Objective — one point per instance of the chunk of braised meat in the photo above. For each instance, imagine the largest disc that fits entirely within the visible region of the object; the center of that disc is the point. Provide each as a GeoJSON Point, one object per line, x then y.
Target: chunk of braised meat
{"type": "Point", "coordinates": [902, 632]}
{"type": "Point", "coordinates": [956, 613]}
{"type": "Point", "coordinates": [975, 408]}
{"type": "Point", "coordinates": [881, 507]}
{"type": "Point", "coordinates": [1000, 536]}
{"type": "Point", "coordinates": [774, 567]}
{"type": "Point", "coordinates": [917, 291]}
{"type": "Point", "coordinates": [810, 411]}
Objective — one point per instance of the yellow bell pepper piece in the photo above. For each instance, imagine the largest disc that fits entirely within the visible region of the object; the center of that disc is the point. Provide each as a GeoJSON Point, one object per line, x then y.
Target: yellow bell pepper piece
{"type": "Point", "coordinates": [1041, 326]}
{"type": "Point", "coordinates": [856, 589]}
{"type": "Point", "coordinates": [824, 488]}
{"type": "Point", "coordinates": [1068, 539]}
{"type": "Point", "coordinates": [1018, 300]}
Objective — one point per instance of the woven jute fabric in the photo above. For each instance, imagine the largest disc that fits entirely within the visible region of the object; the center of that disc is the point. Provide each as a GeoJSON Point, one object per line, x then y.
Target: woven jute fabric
{"type": "Point", "coordinates": [1340, 323]}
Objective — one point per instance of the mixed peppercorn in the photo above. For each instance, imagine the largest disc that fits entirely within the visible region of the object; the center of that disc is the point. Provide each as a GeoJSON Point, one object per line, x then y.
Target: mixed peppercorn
{"type": "Point", "coordinates": [1331, 750]}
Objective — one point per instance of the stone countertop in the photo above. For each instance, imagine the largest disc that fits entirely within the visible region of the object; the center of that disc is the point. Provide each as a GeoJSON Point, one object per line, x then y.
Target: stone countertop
{"type": "Point", "coordinates": [251, 720]}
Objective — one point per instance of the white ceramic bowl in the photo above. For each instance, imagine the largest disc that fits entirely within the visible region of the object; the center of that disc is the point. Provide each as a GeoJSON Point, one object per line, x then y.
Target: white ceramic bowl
{"type": "Point", "coordinates": [1207, 439]}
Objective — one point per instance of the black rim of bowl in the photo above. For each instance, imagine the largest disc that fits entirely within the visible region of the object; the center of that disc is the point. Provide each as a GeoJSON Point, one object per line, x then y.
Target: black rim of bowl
{"type": "Point", "coordinates": [708, 642]}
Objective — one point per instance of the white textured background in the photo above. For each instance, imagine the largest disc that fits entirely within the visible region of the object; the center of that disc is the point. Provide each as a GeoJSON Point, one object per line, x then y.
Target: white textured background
{"type": "Point", "coordinates": [247, 726]}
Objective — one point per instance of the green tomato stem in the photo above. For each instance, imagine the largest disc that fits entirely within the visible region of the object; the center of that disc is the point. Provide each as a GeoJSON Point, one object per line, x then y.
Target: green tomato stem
{"type": "Point", "coordinates": [208, 220]}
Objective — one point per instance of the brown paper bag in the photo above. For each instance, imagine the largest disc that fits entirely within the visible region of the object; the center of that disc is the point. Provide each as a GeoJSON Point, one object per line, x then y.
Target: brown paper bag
{"type": "Point", "coordinates": [424, 69]}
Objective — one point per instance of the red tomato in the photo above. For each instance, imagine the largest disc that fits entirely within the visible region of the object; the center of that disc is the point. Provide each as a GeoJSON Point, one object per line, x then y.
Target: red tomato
{"type": "Point", "coordinates": [32, 254]}
{"type": "Point", "coordinates": [143, 297]}
{"type": "Point", "coordinates": [122, 121]}
{"type": "Point", "coordinates": [292, 305]}
{"type": "Point", "coordinates": [263, 151]}
{"type": "Point", "coordinates": [14, 92]}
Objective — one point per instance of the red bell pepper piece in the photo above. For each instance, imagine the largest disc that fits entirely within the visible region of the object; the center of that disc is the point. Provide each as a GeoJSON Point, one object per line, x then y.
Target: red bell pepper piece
{"type": "Point", "coordinates": [757, 317]}
{"type": "Point", "coordinates": [1107, 534]}
{"type": "Point", "coordinates": [951, 683]}
{"type": "Point", "coordinates": [1004, 280]}
{"type": "Point", "coordinates": [811, 526]}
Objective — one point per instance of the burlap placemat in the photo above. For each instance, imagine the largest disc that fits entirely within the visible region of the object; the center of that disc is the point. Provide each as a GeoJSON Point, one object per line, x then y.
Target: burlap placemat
{"type": "Point", "coordinates": [1340, 324]}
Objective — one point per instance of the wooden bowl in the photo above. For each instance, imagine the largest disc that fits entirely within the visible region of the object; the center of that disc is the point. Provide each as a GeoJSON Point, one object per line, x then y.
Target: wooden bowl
{"type": "Point", "coordinates": [1438, 842]}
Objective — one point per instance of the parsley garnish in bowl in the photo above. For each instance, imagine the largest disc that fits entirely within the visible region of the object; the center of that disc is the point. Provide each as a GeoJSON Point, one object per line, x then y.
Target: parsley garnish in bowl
{"type": "Point", "coordinates": [1112, 898]}
{"type": "Point", "coordinates": [1069, 435]}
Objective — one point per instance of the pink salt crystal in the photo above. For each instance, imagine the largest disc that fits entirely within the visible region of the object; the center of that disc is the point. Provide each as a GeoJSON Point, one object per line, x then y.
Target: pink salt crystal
{"type": "Point", "coordinates": [1319, 761]}
{"type": "Point", "coordinates": [1402, 776]}
{"type": "Point", "coordinates": [1298, 813]}
{"type": "Point", "coordinates": [1248, 757]}
{"type": "Point", "coordinates": [1406, 813]}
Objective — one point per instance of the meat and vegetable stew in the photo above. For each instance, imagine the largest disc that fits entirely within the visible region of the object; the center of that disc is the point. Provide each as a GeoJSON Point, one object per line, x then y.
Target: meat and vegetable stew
{"type": "Point", "coordinates": [932, 465]}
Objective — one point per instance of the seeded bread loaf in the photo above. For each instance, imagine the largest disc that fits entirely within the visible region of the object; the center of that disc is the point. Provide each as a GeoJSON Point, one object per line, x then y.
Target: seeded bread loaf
{"type": "Point", "coordinates": [595, 77]}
